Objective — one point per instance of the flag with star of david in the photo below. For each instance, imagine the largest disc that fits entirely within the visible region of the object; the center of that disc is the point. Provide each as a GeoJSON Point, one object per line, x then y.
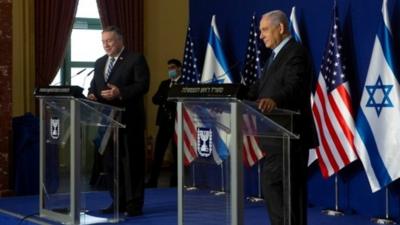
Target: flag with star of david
{"type": "Point", "coordinates": [293, 25]}
{"type": "Point", "coordinates": [378, 120]}
{"type": "Point", "coordinates": [332, 108]}
{"type": "Point", "coordinates": [215, 68]}
{"type": "Point", "coordinates": [295, 32]}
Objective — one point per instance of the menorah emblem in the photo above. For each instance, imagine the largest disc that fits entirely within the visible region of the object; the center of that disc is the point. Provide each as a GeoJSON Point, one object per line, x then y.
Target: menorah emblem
{"type": "Point", "coordinates": [55, 127]}
{"type": "Point", "coordinates": [204, 141]}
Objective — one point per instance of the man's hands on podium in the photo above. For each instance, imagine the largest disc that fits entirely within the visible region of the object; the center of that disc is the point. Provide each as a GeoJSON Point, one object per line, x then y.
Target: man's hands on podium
{"type": "Point", "coordinates": [266, 104]}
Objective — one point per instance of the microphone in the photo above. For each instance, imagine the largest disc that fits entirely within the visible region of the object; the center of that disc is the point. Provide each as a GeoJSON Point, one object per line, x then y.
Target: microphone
{"type": "Point", "coordinates": [78, 73]}
{"type": "Point", "coordinates": [90, 72]}
{"type": "Point", "coordinates": [87, 75]}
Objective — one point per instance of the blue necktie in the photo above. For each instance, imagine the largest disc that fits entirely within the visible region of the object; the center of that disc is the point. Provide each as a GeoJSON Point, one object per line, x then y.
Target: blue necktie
{"type": "Point", "coordinates": [109, 68]}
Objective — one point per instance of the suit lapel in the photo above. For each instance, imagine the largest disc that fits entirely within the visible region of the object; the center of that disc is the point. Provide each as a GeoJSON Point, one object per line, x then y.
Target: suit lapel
{"type": "Point", "coordinates": [117, 64]}
{"type": "Point", "coordinates": [100, 67]}
{"type": "Point", "coordinates": [276, 63]}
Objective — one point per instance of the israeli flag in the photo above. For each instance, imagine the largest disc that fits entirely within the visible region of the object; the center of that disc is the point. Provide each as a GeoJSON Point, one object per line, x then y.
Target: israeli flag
{"type": "Point", "coordinates": [293, 26]}
{"type": "Point", "coordinates": [378, 121]}
{"type": "Point", "coordinates": [215, 68]}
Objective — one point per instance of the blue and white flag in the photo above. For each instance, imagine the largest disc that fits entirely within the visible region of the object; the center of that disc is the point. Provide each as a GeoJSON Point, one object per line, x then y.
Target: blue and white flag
{"type": "Point", "coordinates": [378, 119]}
{"type": "Point", "coordinates": [215, 68]}
{"type": "Point", "coordinates": [295, 32]}
{"type": "Point", "coordinates": [293, 26]}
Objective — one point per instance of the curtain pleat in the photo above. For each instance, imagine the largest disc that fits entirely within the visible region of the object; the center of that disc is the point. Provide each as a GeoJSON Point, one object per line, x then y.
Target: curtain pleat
{"type": "Point", "coordinates": [53, 25]}
{"type": "Point", "coordinates": [128, 16]}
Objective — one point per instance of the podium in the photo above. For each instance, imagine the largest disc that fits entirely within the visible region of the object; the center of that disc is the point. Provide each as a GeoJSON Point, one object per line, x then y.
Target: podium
{"type": "Point", "coordinates": [211, 125]}
{"type": "Point", "coordinates": [68, 125]}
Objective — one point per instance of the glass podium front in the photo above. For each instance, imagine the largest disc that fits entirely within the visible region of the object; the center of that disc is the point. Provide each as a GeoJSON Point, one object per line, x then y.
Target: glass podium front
{"type": "Point", "coordinates": [72, 132]}
{"type": "Point", "coordinates": [211, 134]}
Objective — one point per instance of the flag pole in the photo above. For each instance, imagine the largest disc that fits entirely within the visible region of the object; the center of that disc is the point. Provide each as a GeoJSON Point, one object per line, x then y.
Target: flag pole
{"type": "Point", "coordinates": [387, 219]}
{"type": "Point", "coordinates": [335, 211]}
{"type": "Point", "coordinates": [258, 198]}
{"type": "Point", "coordinates": [193, 187]}
{"type": "Point", "coordinates": [222, 188]}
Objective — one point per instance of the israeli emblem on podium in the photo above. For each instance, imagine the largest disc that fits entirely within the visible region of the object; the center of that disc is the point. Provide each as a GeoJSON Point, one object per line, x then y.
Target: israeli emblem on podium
{"type": "Point", "coordinates": [55, 127]}
{"type": "Point", "coordinates": [204, 141]}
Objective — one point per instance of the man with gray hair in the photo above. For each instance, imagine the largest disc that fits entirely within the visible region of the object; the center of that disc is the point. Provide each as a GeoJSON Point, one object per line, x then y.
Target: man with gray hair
{"type": "Point", "coordinates": [285, 83]}
{"type": "Point", "coordinates": [121, 78]}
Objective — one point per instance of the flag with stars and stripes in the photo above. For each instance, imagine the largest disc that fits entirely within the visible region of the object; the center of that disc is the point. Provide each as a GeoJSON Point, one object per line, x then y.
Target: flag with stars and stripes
{"type": "Point", "coordinates": [190, 73]}
{"type": "Point", "coordinates": [252, 69]}
{"type": "Point", "coordinates": [378, 120]}
{"type": "Point", "coordinates": [252, 152]}
{"type": "Point", "coordinates": [332, 108]}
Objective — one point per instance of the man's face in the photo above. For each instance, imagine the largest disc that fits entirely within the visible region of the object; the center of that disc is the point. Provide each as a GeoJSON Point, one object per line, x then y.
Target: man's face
{"type": "Point", "coordinates": [173, 71]}
{"type": "Point", "coordinates": [270, 33]}
{"type": "Point", "coordinates": [112, 43]}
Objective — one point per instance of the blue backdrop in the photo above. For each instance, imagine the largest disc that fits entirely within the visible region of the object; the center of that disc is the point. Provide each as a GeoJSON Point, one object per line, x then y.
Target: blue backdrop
{"type": "Point", "coordinates": [359, 21]}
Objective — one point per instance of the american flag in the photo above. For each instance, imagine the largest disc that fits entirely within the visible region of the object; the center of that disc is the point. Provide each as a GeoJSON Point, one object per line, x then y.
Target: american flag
{"type": "Point", "coordinates": [251, 72]}
{"type": "Point", "coordinates": [252, 69]}
{"type": "Point", "coordinates": [190, 75]}
{"type": "Point", "coordinates": [332, 107]}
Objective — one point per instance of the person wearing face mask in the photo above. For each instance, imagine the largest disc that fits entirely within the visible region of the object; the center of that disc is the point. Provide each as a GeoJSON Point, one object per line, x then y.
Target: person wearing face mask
{"type": "Point", "coordinates": [166, 123]}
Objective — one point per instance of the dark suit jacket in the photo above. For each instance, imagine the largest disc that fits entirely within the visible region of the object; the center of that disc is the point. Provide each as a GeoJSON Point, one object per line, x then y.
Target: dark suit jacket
{"type": "Point", "coordinates": [166, 109]}
{"type": "Point", "coordinates": [288, 82]}
{"type": "Point", "coordinates": [131, 75]}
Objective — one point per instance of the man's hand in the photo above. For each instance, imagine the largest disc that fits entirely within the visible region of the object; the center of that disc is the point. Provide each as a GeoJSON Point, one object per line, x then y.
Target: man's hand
{"type": "Point", "coordinates": [111, 93]}
{"type": "Point", "coordinates": [92, 97]}
{"type": "Point", "coordinates": [266, 104]}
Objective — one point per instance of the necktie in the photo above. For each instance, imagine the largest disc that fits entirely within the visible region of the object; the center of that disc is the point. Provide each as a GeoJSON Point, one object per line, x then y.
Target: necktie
{"type": "Point", "coordinates": [109, 68]}
{"type": "Point", "coordinates": [270, 59]}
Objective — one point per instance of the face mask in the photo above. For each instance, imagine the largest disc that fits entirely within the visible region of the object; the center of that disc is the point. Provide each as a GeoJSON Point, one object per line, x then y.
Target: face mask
{"type": "Point", "coordinates": [172, 74]}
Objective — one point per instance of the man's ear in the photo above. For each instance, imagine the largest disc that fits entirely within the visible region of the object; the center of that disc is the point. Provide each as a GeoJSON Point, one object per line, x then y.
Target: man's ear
{"type": "Point", "coordinates": [281, 28]}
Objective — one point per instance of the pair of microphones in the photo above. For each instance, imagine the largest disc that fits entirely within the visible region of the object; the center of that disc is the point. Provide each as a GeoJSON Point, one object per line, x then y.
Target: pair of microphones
{"type": "Point", "coordinates": [77, 74]}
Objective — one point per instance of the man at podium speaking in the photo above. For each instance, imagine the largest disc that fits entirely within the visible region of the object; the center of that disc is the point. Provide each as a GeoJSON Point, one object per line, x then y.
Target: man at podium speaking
{"type": "Point", "coordinates": [121, 78]}
{"type": "Point", "coordinates": [285, 83]}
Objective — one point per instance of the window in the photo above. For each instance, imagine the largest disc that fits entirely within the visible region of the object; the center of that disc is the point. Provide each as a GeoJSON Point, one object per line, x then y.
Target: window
{"type": "Point", "coordinates": [83, 49]}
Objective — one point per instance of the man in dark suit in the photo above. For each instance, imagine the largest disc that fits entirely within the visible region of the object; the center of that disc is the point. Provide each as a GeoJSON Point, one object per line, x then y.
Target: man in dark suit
{"type": "Point", "coordinates": [166, 124]}
{"type": "Point", "coordinates": [121, 78]}
{"type": "Point", "coordinates": [285, 83]}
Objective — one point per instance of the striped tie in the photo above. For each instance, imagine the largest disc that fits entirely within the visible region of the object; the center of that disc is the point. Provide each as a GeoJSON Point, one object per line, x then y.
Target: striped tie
{"type": "Point", "coordinates": [109, 68]}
